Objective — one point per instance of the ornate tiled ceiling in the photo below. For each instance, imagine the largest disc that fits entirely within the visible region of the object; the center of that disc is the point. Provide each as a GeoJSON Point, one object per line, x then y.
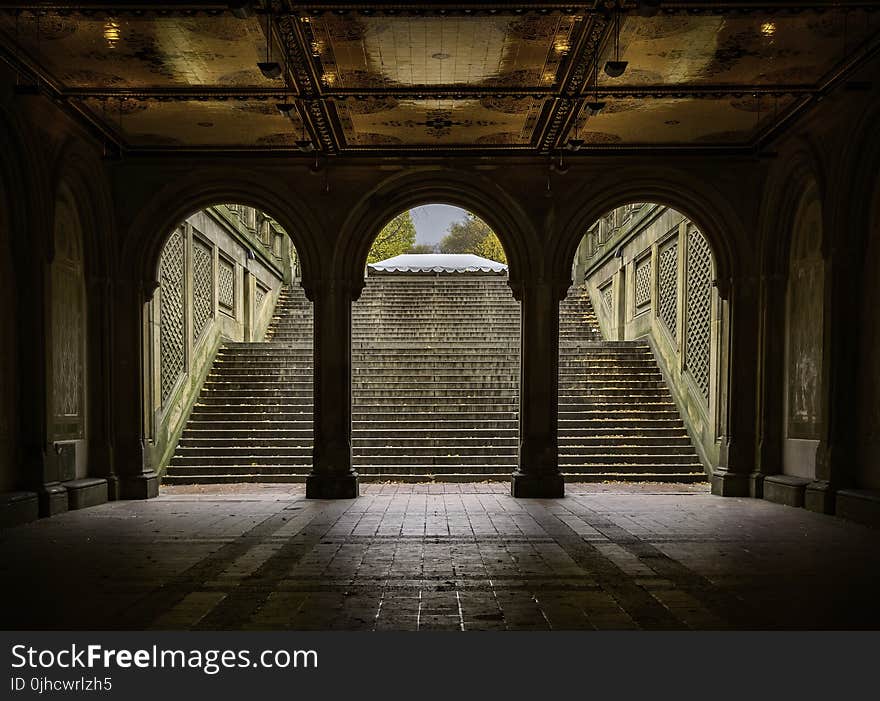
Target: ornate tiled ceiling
{"type": "Point", "coordinates": [434, 77]}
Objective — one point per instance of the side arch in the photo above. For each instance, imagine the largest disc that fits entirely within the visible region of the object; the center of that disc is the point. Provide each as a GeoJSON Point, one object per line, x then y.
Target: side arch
{"type": "Point", "coordinates": [716, 218]}
{"type": "Point", "coordinates": [146, 235]}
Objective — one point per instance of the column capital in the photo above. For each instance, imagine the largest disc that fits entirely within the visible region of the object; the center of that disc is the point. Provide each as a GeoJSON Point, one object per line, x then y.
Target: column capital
{"type": "Point", "coordinates": [558, 286]}
{"type": "Point", "coordinates": [344, 287]}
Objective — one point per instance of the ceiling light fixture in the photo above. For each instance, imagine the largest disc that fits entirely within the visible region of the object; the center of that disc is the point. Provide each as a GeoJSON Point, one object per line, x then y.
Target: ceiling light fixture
{"type": "Point", "coordinates": [305, 143]}
{"type": "Point", "coordinates": [269, 68]}
{"type": "Point", "coordinates": [240, 9]}
{"type": "Point", "coordinates": [648, 8]}
{"type": "Point", "coordinates": [615, 68]}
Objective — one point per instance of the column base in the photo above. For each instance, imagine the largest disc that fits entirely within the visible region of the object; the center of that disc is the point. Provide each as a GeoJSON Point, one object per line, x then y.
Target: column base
{"type": "Point", "coordinates": [537, 486]}
{"type": "Point", "coordinates": [756, 485]}
{"type": "Point", "coordinates": [730, 484]}
{"type": "Point", "coordinates": [321, 486]}
{"type": "Point", "coordinates": [53, 499]}
{"type": "Point", "coordinates": [144, 486]}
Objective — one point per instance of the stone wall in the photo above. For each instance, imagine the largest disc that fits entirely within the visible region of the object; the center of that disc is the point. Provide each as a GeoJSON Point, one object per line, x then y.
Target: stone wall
{"type": "Point", "coordinates": [650, 274]}
{"type": "Point", "coordinates": [220, 273]}
{"type": "Point", "coordinates": [67, 366]}
{"type": "Point", "coordinates": [8, 375]}
{"type": "Point", "coordinates": [804, 394]}
{"type": "Point", "coordinates": [868, 400]}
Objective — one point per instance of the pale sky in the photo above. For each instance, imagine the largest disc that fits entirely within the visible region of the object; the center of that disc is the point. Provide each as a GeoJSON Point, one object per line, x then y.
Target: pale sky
{"type": "Point", "coordinates": [432, 221]}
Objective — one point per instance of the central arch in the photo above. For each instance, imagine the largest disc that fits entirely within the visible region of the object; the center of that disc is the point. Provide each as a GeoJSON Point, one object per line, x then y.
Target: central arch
{"type": "Point", "coordinates": [436, 361]}
{"type": "Point", "coordinates": [471, 192]}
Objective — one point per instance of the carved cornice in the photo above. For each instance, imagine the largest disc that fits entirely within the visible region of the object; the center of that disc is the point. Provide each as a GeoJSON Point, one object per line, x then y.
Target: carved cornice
{"type": "Point", "coordinates": [306, 83]}
{"type": "Point", "coordinates": [590, 40]}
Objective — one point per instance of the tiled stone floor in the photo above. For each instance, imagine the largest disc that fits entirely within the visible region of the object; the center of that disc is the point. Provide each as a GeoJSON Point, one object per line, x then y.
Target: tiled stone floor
{"type": "Point", "coordinates": [441, 557]}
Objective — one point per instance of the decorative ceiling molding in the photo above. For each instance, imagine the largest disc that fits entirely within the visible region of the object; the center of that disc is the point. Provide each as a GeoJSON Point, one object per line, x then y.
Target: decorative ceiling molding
{"type": "Point", "coordinates": [325, 109]}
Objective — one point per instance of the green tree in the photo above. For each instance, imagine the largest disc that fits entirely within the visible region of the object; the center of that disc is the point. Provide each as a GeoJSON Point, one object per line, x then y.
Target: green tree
{"type": "Point", "coordinates": [423, 248]}
{"type": "Point", "coordinates": [491, 248]}
{"type": "Point", "coordinates": [398, 236]}
{"type": "Point", "coordinates": [473, 235]}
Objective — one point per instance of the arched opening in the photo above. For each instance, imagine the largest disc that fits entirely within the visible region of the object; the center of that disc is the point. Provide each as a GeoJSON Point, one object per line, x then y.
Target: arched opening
{"type": "Point", "coordinates": [435, 352]}
{"type": "Point", "coordinates": [67, 417]}
{"type": "Point", "coordinates": [804, 395]}
{"type": "Point", "coordinates": [228, 352]}
{"type": "Point", "coordinates": [641, 339]}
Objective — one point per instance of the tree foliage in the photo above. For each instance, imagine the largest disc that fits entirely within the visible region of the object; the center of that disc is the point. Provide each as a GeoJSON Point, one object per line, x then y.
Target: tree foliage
{"type": "Point", "coordinates": [398, 236]}
{"type": "Point", "coordinates": [491, 248]}
{"type": "Point", "coordinates": [423, 248]}
{"type": "Point", "coordinates": [473, 235]}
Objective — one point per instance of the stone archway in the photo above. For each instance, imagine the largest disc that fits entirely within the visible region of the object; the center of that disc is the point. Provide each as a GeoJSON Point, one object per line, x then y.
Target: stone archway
{"type": "Point", "coordinates": [68, 333]}
{"type": "Point", "coordinates": [642, 332]}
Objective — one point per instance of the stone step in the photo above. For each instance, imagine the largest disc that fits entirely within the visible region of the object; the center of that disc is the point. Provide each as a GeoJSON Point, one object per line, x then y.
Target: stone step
{"type": "Point", "coordinates": [630, 459]}
{"type": "Point", "coordinates": [436, 421]}
{"type": "Point", "coordinates": [461, 449]}
{"type": "Point", "coordinates": [250, 431]}
{"type": "Point", "coordinates": [256, 408]}
{"type": "Point", "coordinates": [624, 443]}
{"type": "Point", "coordinates": [255, 442]}
{"type": "Point", "coordinates": [433, 431]}
{"type": "Point", "coordinates": [226, 461]}
{"type": "Point", "coordinates": [426, 460]}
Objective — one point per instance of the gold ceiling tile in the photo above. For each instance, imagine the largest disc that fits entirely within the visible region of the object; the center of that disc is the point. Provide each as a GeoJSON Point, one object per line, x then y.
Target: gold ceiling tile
{"type": "Point", "coordinates": [141, 52]}
{"type": "Point", "coordinates": [220, 123]}
{"type": "Point", "coordinates": [762, 50]}
{"type": "Point", "coordinates": [431, 123]}
{"type": "Point", "coordinates": [370, 52]}
{"type": "Point", "coordinates": [697, 120]}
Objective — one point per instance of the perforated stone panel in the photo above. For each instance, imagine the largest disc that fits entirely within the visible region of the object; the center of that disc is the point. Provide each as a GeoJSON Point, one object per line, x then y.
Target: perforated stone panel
{"type": "Point", "coordinates": [171, 314]}
{"type": "Point", "coordinates": [259, 296]}
{"type": "Point", "coordinates": [643, 284]}
{"type": "Point", "coordinates": [203, 286]}
{"type": "Point", "coordinates": [699, 304]}
{"type": "Point", "coordinates": [667, 269]}
{"type": "Point", "coordinates": [608, 295]}
{"type": "Point", "coordinates": [226, 285]}
{"type": "Point", "coordinates": [67, 322]}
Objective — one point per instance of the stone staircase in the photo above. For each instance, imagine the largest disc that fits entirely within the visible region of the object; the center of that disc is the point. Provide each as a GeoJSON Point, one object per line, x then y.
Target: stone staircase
{"type": "Point", "coordinates": [617, 418]}
{"type": "Point", "coordinates": [253, 419]}
{"type": "Point", "coordinates": [435, 381]}
{"type": "Point", "coordinates": [435, 366]}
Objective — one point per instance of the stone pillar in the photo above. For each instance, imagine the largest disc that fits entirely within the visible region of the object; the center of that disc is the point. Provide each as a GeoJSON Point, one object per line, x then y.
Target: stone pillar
{"type": "Point", "coordinates": [537, 473]}
{"type": "Point", "coordinates": [137, 478]}
{"type": "Point", "coordinates": [770, 376]}
{"type": "Point", "coordinates": [332, 476]}
{"type": "Point", "coordinates": [39, 462]}
{"type": "Point", "coordinates": [100, 370]}
{"type": "Point", "coordinates": [835, 455]}
{"type": "Point", "coordinates": [738, 390]}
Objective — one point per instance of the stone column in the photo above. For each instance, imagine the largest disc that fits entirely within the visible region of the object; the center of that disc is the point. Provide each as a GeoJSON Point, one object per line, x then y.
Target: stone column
{"type": "Point", "coordinates": [537, 474]}
{"type": "Point", "coordinates": [835, 455]}
{"type": "Point", "coordinates": [39, 463]}
{"type": "Point", "coordinates": [100, 359]}
{"type": "Point", "coordinates": [137, 478]}
{"type": "Point", "coordinates": [738, 390]}
{"type": "Point", "coordinates": [332, 476]}
{"type": "Point", "coordinates": [770, 375]}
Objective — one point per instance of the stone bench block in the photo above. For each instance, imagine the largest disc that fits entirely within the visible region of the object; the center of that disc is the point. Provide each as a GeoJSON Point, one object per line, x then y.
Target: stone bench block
{"type": "Point", "coordinates": [17, 508]}
{"type": "Point", "coordinates": [785, 489]}
{"type": "Point", "coordinates": [862, 505]}
{"type": "Point", "coordinates": [82, 493]}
